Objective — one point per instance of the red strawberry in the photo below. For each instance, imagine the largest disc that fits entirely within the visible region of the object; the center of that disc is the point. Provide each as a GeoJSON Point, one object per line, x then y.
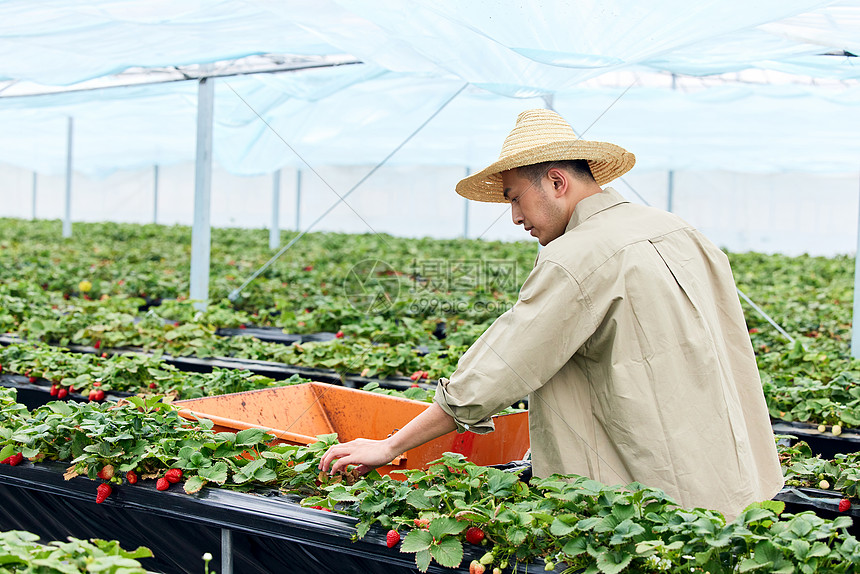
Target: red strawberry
{"type": "Point", "coordinates": [309, 268]}
{"type": "Point", "coordinates": [415, 376]}
{"type": "Point", "coordinates": [103, 491]}
{"type": "Point", "coordinates": [92, 395]}
{"type": "Point", "coordinates": [99, 395]}
{"type": "Point", "coordinates": [106, 473]}
{"type": "Point", "coordinates": [476, 567]}
{"type": "Point", "coordinates": [33, 379]}
{"type": "Point", "coordinates": [97, 345]}
{"type": "Point", "coordinates": [392, 538]}
{"type": "Point", "coordinates": [844, 505]}
{"type": "Point", "coordinates": [1, 368]}
{"type": "Point", "coordinates": [131, 477]}
{"type": "Point", "coordinates": [173, 475]}
{"type": "Point", "coordinates": [62, 393]}
{"type": "Point", "coordinates": [97, 384]}
{"type": "Point", "coordinates": [422, 523]}
{"type": "Point", "coordinates": [54, 390]}
{"type": "Point", "coordinates": [242, 327]}
{"type": "Point", "coordinates": [474, 535]}
{"type": "Point", "coordinates": [338, 335]}
{"type": "Point", "coordinates": [414, 386]}
{"type": "Point", "coordinates": [153, 386]}
{"type": "Point", "coordinates": [13, 460]}
{"type": "Point", "coordinates": [162, 484]}
{"type": "Point", "coordinates": [71, 390]}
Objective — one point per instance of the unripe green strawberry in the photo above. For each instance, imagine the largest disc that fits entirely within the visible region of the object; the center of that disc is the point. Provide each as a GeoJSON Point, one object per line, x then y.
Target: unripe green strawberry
{"type": "Point", "coordinates": [103, 491]}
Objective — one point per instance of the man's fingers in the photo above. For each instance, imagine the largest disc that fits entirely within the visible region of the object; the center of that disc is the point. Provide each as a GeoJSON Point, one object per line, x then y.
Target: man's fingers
{"type": "Point", "coordinates": [329, 455]}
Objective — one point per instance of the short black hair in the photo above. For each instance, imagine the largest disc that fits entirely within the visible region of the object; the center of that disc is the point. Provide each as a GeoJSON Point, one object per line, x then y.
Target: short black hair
{"type": "Point", "coordinates": [536, 171]}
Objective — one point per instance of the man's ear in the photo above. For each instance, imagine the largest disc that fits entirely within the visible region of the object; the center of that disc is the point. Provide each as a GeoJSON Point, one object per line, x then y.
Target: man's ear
{"type": "Point", "coordinates": [559, 180]}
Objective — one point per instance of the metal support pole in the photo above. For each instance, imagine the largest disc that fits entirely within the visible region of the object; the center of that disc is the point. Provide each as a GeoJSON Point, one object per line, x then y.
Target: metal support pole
{"type": "Point", "coordinates": [201, 232]}
{"type": "Point", "coordinates": [298, 198]}
{"type": "Point", "coordinates": [226, 551]}
{"type": "Point", "coordinates": [855, 325]}
{"type": "Point", "coordinates": [67, 216]}
{"type": "Point", "coordinates": [670, 191]}
{"type": "Point", "coordinates": [275, 229]}
{"type": "Point", "coordinates": [33, 215]}
{"type": "Point", "coordinates": [466, 211]}
{"type": "Point", "coordinates": [155, 194]}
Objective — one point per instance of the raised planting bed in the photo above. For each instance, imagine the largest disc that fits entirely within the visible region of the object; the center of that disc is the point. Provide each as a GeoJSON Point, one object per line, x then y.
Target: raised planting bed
{"type": "Point", "coordinates": [277, 371]}
{"type": "Point", "coordinates": [246, 533]}
{"type": "Point", "coordinates": [825, 443]}
{"type": "Point", "coordinates": [38, 393]}
{"type": "Point", "coordinates": [825, 503]}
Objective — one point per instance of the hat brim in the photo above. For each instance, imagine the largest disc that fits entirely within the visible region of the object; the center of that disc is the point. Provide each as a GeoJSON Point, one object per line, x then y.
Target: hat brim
{"type": "Point", "coordinates": [607, 162]}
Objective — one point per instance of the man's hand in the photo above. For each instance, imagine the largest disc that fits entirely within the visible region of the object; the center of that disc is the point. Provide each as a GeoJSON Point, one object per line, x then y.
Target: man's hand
{"type": "Point", "coordinates": [369, 454]}
{"type": "Point", "coordinates": [365, 453]}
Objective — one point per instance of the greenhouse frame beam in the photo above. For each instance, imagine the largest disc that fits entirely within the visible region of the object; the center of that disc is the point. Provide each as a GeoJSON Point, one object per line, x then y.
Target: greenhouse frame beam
{"type": "Point", "coordinates": [201, 231]}
{"type": "Point", "coordinates": [136, 76]}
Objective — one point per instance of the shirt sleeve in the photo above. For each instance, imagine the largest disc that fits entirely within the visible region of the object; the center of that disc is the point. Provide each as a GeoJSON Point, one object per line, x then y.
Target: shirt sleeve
{"type": "Point", "coordinates": [521, 350]}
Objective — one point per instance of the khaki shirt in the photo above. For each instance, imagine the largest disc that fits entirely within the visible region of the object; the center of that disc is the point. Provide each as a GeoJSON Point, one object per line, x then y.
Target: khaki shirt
{"type": "Point", "coordinates": [629, 339]}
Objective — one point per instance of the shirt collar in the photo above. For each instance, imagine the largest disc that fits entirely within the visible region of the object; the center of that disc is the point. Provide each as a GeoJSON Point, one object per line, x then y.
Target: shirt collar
{"type": "Point", "coordinates": [594, 204]}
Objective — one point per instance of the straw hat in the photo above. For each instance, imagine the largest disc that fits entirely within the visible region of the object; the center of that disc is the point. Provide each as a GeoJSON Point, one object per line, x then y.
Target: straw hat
{"type": "Point", "coordinates": [542, 135]}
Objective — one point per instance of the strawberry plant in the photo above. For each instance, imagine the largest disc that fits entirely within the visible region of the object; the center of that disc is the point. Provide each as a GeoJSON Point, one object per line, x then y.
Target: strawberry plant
{"type": "Point", "coordinates": [23, 552]}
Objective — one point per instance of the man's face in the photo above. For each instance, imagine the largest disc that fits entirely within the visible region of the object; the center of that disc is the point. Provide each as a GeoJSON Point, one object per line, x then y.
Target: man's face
{"type": "Point", "coordinates": [536, 207]}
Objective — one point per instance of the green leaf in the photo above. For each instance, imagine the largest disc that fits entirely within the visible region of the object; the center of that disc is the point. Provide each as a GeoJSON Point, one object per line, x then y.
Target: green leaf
{"type": "Point", "coordinates": [251, 437]}
{"type": "Point", "coordinates": [501, 483]}
{"type": "Point", "coordinates": [416, 541]}
{"type": "Point", "coordinates": [445, 525]}
{"type": "Point", "coordinates": [626, 529]}
{"type": "Point", "coordinates": [575, 546]}
{"type": "Point", "coordinates": [613, 562]}
{"type": "Point", "coordinates": [216, 473]}
{"type": "Point", "coordinates": [448, 552]}
{"type": "Point", "coordinates": [422, 560]}
{"type": "Point", "coordinates": [564, 524]}
{"type": "Point", "coordinates": [194, 484]}
{"type": "Point", "coordinates": [417, 499]}
{"type": "Point", "coordinates": [8, 451]}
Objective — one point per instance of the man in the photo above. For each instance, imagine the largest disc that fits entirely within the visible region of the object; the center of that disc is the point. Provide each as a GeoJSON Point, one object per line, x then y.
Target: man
{"type": "Point", "coordinates": [627, 336]}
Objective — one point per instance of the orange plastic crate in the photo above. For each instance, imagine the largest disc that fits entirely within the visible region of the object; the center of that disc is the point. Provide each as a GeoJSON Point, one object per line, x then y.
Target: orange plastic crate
{"type": "Point", "coordinates": [297, 414]}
